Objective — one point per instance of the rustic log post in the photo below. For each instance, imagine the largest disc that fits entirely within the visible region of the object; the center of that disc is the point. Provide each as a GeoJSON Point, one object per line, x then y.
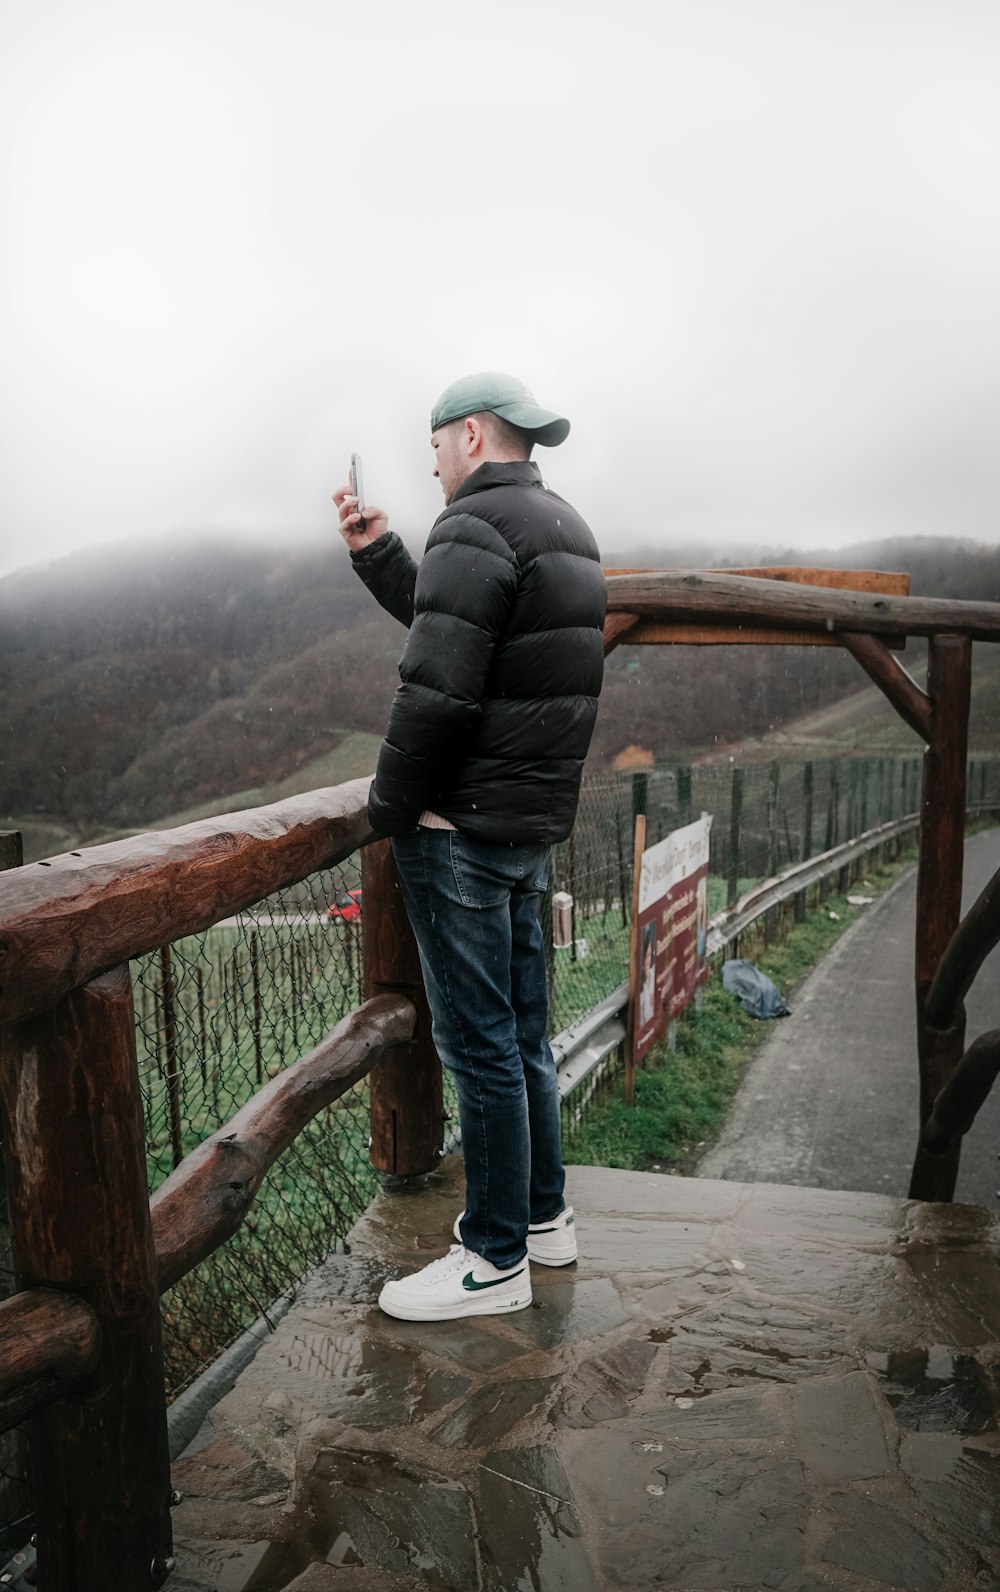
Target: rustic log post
{"type": "Point", "coordinates": [80, 1222]}
{"type": "Point", "coordinates": [15, 1463]}
{"type": "Point", "coordinates": [939, 889]}
{"type": "Point", "coordinates": [407, 1105]}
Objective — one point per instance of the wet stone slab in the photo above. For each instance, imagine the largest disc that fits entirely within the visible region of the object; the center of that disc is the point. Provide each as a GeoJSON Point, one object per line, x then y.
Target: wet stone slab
{"type": "Point", "coordinates": [223, 1468]}
{"type": "Point", "coordinates": [604, 1387]}
{"type": "Point", "coordinates": [348, 1375]}
{"type": "Point", "coordinates": [473, 1345]}
{"type": "Point", "coordinates": [689, 1517]}
{"type": "Point", "coordinates": [529, 1531]}
{"type": "Point", "coordinates": [875, 1540]}
{"type": "Point", "coordinates": [372, 1510]}
{"type": "Point", "coordinates": [838, 1429]}
{"type": "Point", "coordinates": [571, 1311]}
{"type": "Point", "coordinates": [937, 1389]}
{"type": "Point", "coordinates": [958, 1291]}
{"type": "Point", "coordinates": [491, 1412]}
{"type": "Point", "coordinates": [721, 1416]}
{"type": "Point", "coordinates": [958, 1485]}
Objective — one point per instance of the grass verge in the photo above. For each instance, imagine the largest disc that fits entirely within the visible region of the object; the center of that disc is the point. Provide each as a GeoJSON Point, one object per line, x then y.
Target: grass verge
{"type": "Point", "coordinates": [682, 1096]}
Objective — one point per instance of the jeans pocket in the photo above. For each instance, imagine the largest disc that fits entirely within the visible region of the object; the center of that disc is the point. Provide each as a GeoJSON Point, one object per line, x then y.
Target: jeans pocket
{"type": "Point", "coordinates": [484, 874]}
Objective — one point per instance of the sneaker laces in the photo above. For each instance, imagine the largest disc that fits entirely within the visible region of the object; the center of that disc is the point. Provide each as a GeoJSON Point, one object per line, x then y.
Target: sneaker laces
{"type": "Point", "coordinates": [457, 1257]}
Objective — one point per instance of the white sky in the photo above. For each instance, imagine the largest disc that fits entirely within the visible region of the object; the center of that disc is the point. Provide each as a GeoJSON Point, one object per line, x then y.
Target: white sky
{"type": "Point", "coordinates": [751, 247]}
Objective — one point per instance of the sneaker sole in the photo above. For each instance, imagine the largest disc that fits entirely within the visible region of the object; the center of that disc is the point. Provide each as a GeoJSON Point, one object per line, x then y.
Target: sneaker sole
{"type": "Point", "coordinates": [472, 1307]}
{"type": "Point", "coordinates": [563, 1257]}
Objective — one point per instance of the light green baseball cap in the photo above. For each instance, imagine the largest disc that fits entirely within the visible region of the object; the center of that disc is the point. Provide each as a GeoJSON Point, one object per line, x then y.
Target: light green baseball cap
{"type": "Point", "coordinates": [501, 395]}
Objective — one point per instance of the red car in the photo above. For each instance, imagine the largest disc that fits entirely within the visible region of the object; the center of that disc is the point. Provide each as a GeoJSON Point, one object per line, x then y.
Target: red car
{"type": "Point", "coordinates": [346, 908]}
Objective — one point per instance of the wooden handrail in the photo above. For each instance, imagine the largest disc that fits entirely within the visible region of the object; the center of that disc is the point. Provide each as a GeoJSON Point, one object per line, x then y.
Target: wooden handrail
{"type": "Point", "coordinates": [64, 921]}
{"type": "Point", "coordinates": [205, 1199]}
{"type": "Point", "coordinates": [746, 600]}
{"type": "Point", "coordinates": [49, 1340]}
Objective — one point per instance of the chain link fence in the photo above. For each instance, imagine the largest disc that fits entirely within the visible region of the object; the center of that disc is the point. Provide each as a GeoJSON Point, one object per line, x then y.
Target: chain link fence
{"type": "Point", "coordinates": [220, 1013]}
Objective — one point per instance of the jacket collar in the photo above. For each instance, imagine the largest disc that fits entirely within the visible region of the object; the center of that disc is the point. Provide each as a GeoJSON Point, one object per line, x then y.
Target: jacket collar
{"type": "Point", "coordinates": [514, 472]}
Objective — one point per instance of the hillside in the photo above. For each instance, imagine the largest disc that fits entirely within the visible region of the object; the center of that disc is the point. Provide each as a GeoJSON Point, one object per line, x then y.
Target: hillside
{"type": "Point", "coordinates": [194, 676]}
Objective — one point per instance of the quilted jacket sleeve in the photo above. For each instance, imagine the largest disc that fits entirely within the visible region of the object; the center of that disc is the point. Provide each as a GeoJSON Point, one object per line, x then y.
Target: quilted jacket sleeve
{"type": "Point", "coordinates": [390, 573]}
{"type": "Point", "coordinates": [465, 586]}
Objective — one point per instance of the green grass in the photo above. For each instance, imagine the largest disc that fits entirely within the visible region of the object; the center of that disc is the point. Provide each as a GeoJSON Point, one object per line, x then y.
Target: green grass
{"type": "Point", "coordinates": [682, 1096]}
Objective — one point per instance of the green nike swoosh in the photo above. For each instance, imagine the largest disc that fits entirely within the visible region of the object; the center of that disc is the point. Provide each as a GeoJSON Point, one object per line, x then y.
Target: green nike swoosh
{"type": "Point", "coordinates": [469, 1281]}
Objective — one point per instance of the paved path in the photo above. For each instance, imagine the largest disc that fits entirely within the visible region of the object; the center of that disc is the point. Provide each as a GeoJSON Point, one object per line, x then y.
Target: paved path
{"type": "Point", "coordinates": [737, 1388]}
{"type": "Point", "coordinates": [832, 1099]}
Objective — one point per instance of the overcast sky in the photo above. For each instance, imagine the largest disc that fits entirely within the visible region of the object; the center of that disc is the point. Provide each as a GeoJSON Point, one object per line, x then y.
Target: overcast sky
{"type": "Point", "coordinates": [750, 247]}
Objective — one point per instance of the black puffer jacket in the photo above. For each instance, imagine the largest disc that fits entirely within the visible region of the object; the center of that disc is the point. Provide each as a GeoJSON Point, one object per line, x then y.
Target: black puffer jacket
{"type": "Point", "coordinates": [503, 666]}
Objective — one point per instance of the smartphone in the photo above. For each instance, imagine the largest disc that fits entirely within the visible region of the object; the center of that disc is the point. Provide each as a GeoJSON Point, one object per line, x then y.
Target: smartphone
{"type": "Point", "coordinates": [357, 484]}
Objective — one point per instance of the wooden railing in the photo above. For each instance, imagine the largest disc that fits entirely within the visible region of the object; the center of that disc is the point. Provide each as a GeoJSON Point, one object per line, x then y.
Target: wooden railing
{"type": "Point", "coordinates": [80, 1346]}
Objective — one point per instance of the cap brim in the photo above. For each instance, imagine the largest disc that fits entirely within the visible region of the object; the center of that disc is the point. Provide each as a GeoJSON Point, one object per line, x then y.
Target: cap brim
{"type": "Point", "coordinates": [546, 428]}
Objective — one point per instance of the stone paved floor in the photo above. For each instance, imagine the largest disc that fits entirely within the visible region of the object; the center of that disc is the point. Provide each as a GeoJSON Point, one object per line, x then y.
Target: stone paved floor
{"type": "Point", "coordinates": [737, 1387]}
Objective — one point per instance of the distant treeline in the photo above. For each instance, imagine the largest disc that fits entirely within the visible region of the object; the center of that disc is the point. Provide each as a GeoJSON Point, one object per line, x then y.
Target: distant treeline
{"type": "Point", "coordinates": [140, 683]}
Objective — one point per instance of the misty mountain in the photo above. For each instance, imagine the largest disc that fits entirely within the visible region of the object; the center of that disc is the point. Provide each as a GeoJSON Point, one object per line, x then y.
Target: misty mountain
{"type": "Point", "coordinates": [141, 682]}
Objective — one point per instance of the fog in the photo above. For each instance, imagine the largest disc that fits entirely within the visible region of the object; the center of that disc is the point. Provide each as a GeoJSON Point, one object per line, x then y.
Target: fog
{"type": "Point", "coordinates": [751, 251]}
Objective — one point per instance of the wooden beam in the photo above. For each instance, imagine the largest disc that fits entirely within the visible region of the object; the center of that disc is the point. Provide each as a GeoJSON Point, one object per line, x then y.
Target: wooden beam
{"type": "Point", "coordinates": [738, 601]}
{"type": "Point", "coordinates": [939, 890]}
{"type": "Point", "coordinates": [899, 687]}
{"type": "Point", "coordinates": [66, 920]}
{"type": "Point", "coordinates": [616, 628]}
{"type": "Point", "coordinates": [654, 632]}
{"type": "Point", "coordinates": [407, 1100]}
{"type": "Point", "coordinates": [79, 1218]}
{"type": "Point", "coordinates": [964, 955]}
{"type": "Point", "coordinates": [48, 1341]}
{"type": "Point", "coordinates": [204, 1201]}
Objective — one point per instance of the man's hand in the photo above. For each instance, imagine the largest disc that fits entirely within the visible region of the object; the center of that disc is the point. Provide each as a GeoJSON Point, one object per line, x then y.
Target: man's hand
{"type": "Point", "coordinates": [376, 520]}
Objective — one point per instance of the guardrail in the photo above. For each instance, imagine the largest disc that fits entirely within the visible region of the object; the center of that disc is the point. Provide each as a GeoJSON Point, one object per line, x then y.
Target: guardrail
{"type": "Point", "coordinates": [583, 1048]}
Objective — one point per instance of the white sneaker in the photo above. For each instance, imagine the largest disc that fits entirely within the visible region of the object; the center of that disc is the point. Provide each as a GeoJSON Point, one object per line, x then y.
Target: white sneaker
{"type": "Point", "coordinates": [549, 1243]}
{"type": "Point", "coordinates": [461, 1283]}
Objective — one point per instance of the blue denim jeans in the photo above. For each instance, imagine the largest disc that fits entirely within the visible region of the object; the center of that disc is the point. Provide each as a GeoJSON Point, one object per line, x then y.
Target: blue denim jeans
{"type": "Point", "coordinates": [474, 911]}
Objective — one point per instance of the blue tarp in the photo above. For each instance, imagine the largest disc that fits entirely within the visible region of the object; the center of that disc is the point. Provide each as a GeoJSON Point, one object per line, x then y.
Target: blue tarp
{"type": "Point", "coordinates": [753, 989]}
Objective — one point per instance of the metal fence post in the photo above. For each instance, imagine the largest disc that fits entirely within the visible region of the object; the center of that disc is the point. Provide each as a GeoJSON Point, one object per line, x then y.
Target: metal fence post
{"type": "Point", "coordinates": [735, 835]}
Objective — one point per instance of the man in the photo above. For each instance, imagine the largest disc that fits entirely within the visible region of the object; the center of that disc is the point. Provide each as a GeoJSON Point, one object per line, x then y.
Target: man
{"type": "Point", "coordinates": [478, 775]}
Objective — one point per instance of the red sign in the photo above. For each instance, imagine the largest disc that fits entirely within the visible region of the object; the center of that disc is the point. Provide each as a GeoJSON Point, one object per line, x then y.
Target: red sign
{"type": "Point", "coordinates": [671, 927]}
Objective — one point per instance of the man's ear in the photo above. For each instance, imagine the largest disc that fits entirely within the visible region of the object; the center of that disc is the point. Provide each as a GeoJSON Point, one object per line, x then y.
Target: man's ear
{"type": "Point", "coordinates": [473, 435]}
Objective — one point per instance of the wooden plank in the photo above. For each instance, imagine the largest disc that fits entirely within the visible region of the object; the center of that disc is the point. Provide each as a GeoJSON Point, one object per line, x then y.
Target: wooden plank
{"type": "Point", "coordinates": [79, 1212]}
{"type": "Point", "coordinates": [407, 1100]}
{"type": "Point", "coordinates": [49, 1340]}
{"type": "Point", "coordinates": [743, 604]}
{"type": "Point", "coordinates": [652, 632]}
{"type": "Point", "coordinates": [204, 1201]}
{"type": "Point", "coordinates": [67, 919]}
{"type": "Point", "coordinates": [939, 891]}
{"type": "Point", "coordinates": [638, 848]}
